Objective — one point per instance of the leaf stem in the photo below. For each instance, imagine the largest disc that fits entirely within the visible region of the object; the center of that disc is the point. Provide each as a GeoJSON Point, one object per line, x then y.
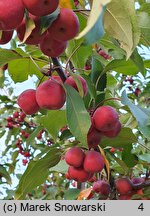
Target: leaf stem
{"type": "Point", "coordinates": [35, 63]}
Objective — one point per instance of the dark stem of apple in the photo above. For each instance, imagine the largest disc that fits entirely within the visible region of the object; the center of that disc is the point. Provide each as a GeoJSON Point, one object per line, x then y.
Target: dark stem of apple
{"type": "Point", "coordinates": [59, 69]}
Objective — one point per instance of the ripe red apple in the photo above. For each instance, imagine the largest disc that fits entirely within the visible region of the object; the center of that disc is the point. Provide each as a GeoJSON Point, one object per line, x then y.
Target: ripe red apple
{"type": "Point", "coordinates": [57, 78]}
{"type": "Point", "coordinates": [78, 174]}
{"type": "Point", "coordinates": [123, 185]}
{"type": "Point", "coordinates": [35, 37]}
{"type": "Point", "coordinates": [75, 157]}
{"type": "Point", "coordinates": [138, 180]}
{"type": "Point", "coordinates": [93, 162]}
{"type": "Point", "coordinates": [125, 196]}
{"type": "Point", "coordinates": [105, 118]}
{"type": "Point", "coordinates": [66, 26]}
{"type": "Point", "coordinates": [27, 102]}
{"type": "Point", "coordinates": [6, 37]}
{"type": "Point", "coordinates": [130, 195]}
{"type": "Point", "coordinates": [50, 95]}
{"type": "Point", "coordinates": [93, 137]}
{"type": "Point", "coordinates": [114, 132]}
{"type": "Point", "coordinates": [52, 47]}
{"type": "Point", "coordinates": [11, 14]}
{"type": "Point", "coordinates": [70, 81]}
{"type": "Point", "coordinates": [16, 114]}
{"type": "Point", "coordinates": [42, 7]}
{"type": "Point", "coordinates": [101, 187]}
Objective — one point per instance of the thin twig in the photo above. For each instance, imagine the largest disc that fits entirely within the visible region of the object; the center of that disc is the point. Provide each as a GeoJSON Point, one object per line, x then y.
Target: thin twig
{"type": "Point", "coordinates": [67, 63]}
{"type": "Point", "coordinates": [117, 99]}
{"type": "Point", "coordinates": [81, 10]}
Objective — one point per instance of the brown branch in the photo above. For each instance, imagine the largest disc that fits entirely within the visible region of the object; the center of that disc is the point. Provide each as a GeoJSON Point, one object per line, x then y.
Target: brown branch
{"type": "Point", "coordinates": [59, 69]}
{"type": "Point", "coordinates": [81, 10]}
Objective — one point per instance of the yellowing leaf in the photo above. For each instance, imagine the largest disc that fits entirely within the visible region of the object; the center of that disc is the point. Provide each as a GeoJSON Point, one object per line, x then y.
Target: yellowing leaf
{"type": "Point", "coordinates": [120, 21]}
{"type": "Point", "coordinates": [65, 4]}
{"type": "Point", "coordinates": [84, 194]}
{"type": "Point", "coordinates": [30, 25]}
{"type": "Point", "coordinates": [82, 3]}
{"type": "Point", "coordinates": [106, 162]}
{"type": "Point", "coordinates": [97, 8]}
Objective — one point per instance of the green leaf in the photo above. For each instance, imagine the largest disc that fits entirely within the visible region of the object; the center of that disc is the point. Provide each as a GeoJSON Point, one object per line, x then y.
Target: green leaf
{"type": "Point", "coordinates": [7, 56]}
{"type": "Point", "coordinates": [122, 164]}
{"type": "Point", "coordinates": [129, 158]}
{"type": "Point", "coordinates": [46, 21]}
{"type": "Point", "coordinates": [77, 115]}
{"type": "Point", "coordinates": [71, 194]}
{"type": "Point", "coordinates": [91, 86]}
{"type": "Point", "coordinates": [2, 133]}
{"type": "Point", "coordinates": [107, 42]}
{"type": "Point", "coordinates": [141, 116]}
{"type": "Point", "coordinates": [137, 59]}
{"type": "Point", "coordinates": [122, 66]}
{"type": "Point", "coordinates": [61, 167]}
{"type": "Point", "coordinates": [124, 138]}
{"type": "Point", "coordinates": [81, 55]}
{"type": "Point", "coordinates": [54, 121]}
{"type": "Point", "coordinates": [33, 135]}
{"type": "Point", "coordinates": [36, 173]}
{"type": "Point", "coordinates": [120, 21]}
{"type": "Point", "coordinates": [144, 24]}
{"type": "Point", "coordinates": [20, 69]}
{"type": "Point", "coordinates": [82, 52]}
{"type": "Point", "coordinates": [5, 174]}
{"type": "Point", "coordinates": [145, 7]}
{"type": "Point", "coordinates": [99, 79]}
{"type": "Point", "coordinates": [94, 29]}
{"type": "Point", "coordinates": [14, 156]}
{"type": "Point", "coordinates": [145, 157]}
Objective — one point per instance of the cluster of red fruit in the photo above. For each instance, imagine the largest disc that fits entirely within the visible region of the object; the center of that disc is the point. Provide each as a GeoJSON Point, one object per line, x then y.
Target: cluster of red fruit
{"type": "Point", "coordinates": [135, 90]}
{"type": "Point", "coordinates": [23, 152]}
{"type": "Point", "coordinates": [49, 95]}
{"type": "Point", "coordinates": [82, 166]}
{"type": "Point", "coordinates": [104, 122]}
{"type": "Point", "coordinates": [15, 119]}
{"type": "Point", "coordinates": [53, 41]}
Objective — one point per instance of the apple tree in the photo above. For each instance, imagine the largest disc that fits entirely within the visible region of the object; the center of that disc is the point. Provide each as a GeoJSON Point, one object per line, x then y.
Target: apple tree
{"type": "Point", "coordinates": [81, 129]}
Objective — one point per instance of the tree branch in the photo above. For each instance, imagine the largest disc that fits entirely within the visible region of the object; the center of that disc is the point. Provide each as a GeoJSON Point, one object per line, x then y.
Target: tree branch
{"type": "Point", "coordinates": [59, 69]}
